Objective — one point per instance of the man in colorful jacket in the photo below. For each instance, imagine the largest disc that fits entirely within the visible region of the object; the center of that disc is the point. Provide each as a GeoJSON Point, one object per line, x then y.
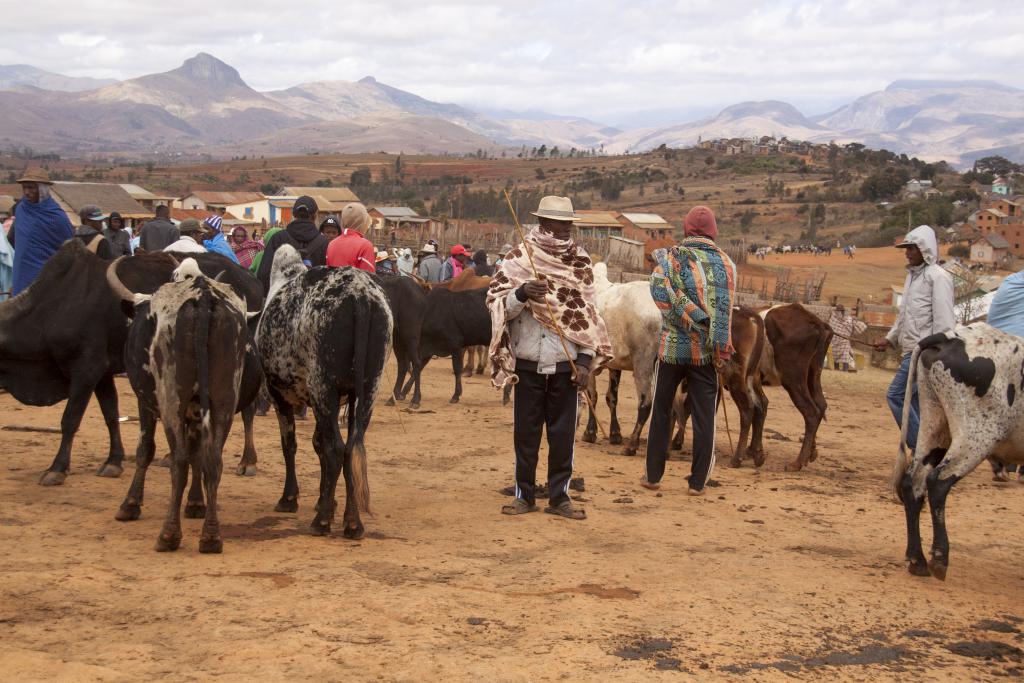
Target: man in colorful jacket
{"type": "Point", "coordinates": [694, 287]}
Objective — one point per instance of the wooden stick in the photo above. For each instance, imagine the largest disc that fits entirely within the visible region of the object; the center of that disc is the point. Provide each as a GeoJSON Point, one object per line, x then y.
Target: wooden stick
{"type": "Point", "coordinates": [29, 428]}
{"type": "Point", "coordinates": [551, 313]}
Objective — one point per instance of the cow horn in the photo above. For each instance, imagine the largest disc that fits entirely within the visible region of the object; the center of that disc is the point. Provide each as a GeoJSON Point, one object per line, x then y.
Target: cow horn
{"type": "Point", "coordinates": [115, 282]}
{"type": "Point", "coordinates": [219, 276]}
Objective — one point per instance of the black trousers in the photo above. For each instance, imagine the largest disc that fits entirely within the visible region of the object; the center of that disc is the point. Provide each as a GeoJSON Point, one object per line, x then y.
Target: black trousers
{"type": "Point", "coordinates": [701, 397]}
{"type": "Point", "coordinates": [544, 400]}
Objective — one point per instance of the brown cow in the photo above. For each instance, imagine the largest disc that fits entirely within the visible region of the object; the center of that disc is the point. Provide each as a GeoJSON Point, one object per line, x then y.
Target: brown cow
{"type": "Point", "coordinates": [741, 376]}
{"type": "Point", "coordinates": [793, 357]}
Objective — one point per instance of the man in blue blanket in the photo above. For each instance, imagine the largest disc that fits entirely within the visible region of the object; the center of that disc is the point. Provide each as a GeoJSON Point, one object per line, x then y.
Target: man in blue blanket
{"type": "Point", "coordinates": [40, 227]}
{"type": "Point", "coordinates": [214, 239]}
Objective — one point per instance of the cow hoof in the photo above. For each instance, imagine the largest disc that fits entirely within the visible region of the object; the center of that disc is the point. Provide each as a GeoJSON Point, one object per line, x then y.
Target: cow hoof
{"type": "Point", "coordinates": [814, 455]}
{"type": "Point", "coordinates": [455, 399]}
{"type": "Point", "coordinates": [794, 466]}
{"type": "Point", "coordinates": [353, 533]}
{"type": "Point", "coordinates": [588, 437]}
{"type": "Point", "coordinates": [758, 459]}
{"type": "Point", "coordinates": [918, 568]}
{"type": "Point", "coordinates": [128, 512]}
{"type": "Point", "coordinates": [164, 461]}
{"type": "Point", "coordinates": [675, 446]}
{"type": "Point", "coordinates": [390, 401]}
{"type": "Point", "coordinates": [937, 569]}
{"type": "Point", "coordinates": [246, 469]}
{"type": "Point", "coordinates": [166, 543]}
{"type": "Point", "coordinates": [320, 528]}
{"type": "Point", "coordinates": [615, 439]}
{"type": "Point", "coordinates": [109, 469]}
{"type": "Point", "coordinates": [735, 462]}
{"type": "Point", "coordinates": [629, 450]}
{"type": "Point", "coordinates": [211, 544]}
{"type": "Point", "coordinates": [287, 505]}
{"type": "Point", "coordinates": [195, 510]}
{"type": "Point", "coordinates": [415, 405]}
{"type": "Point", "coordinates": [52, 478]}
{"type": "Point", "coordinates": [1003, 476]}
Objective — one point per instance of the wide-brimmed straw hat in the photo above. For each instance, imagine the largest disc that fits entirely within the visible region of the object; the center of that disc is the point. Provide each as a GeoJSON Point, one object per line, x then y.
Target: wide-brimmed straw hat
{"type": "Point", "coordinates": [428, 248]}
{"type": "Point", "coordinates": [36, 175]}
{"type": "Point", "coordinates": [556, 208]}
{"type": "Point", "coordinates": [382, 256]}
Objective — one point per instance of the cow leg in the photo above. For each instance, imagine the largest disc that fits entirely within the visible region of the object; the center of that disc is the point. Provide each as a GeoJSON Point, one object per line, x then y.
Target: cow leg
{"type": "Point", "coordinates": [818, 397]}
{"type": "Point", "coordinates": [77, 401]}
{"type": "Point", "coordinates": [106, 395]}
{"type": "Point", "coordinates": [590, 433]}
{"type": "Point", "coordinates": [643, 413]}
{"type": "Point", "coordinates": [289, 501]}
{"type": "Point", "coordinates": [812, 418]}
{"type": "Point", "coordinates": [457, 368]}
{"type": "Point", "coordinates": [912, 489]}
{"type": "Point", "coordinates": [757, 436]}
{"type": "Point", "coordinates": [481, 363]}
{"type": "Point", "coordinates": [195, 508]}
{"type": "Point", "coordinates": [402, 361]}
{"type": "Point", "coordinates": [417, 373]}
{"type": "Point", "coordinates": [131, 508]}
{"type": "Point", "coordinates": [329, 447]}
{"type": "Point", "coordinates": [247, 465]}
{"type": "Point", "coordinates": [745, 406]}
{"type": "Point", "coordinates": [170, 536]}
{"type": "Point", "coordinates": [211, 458]}
{"type": "Point", "coordinates": [468, 360]}
{"type": "Point", "coordinates": [682, 412]}
{"type": "Point", "coordinates": [959, 461]}
{"type": "Point", "coordinates": [611, 397]}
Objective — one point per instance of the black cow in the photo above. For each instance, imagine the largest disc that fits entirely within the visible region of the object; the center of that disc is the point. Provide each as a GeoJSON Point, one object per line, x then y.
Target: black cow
{"type": "Point", "coordinates": [144, 274]}
{"type": "Point", "coordinates": [189, 351]}
{"type": "Point", "coordinates": [452, 321]}
{"type": "Point", "coordinates": [63, 338]}
{"type": "Point", "coordinates": [408, 305]}
{"type": "Point", "coordinates": [324, 337]}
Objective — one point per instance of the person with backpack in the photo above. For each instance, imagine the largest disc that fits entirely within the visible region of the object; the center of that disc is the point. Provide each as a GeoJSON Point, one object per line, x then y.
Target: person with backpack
{"type": "Point", "coordinates": [90, 232]}
{"type": "Point", "coordinates": [302, 234]}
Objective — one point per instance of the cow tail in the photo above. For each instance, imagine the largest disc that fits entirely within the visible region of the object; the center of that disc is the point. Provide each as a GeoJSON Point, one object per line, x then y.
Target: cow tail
{"type": "Point", "coordinates": [902, 461]}
{"type": "Point", "coordinates": [204, 313]}
{"type": "Point", "coordinates": [360, 406]}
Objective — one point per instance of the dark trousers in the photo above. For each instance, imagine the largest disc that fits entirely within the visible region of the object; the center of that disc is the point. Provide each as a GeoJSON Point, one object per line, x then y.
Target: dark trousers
{"type": "Point", "coordinates": [701, 397]}
{"type": "Point", "coordinates": [541, 400]}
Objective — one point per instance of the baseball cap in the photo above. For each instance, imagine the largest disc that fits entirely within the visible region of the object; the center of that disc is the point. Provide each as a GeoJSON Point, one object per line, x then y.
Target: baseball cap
{"type": "Point", "coordinates": [91, 213]}
{"type": "Point", "coordinates": [305, 202]}
{"type": "Point", "coordinates": [459, 250]}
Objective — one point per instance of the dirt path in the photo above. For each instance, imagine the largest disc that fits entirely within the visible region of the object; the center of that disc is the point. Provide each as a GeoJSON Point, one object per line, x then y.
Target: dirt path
{"type": "Point", "coordinates": [773, 574]}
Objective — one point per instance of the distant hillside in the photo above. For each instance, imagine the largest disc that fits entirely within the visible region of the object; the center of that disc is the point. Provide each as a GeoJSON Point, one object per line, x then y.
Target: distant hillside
{"type": "Point", "coordinates": [14, 76]}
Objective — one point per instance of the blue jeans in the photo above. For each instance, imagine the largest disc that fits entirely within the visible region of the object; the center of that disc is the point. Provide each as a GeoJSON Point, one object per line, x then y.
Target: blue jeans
{"type": "Point", "coordinates": [896, 396]}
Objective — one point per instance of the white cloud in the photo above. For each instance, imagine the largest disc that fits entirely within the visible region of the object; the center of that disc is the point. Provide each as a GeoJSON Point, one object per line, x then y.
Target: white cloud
{"type": "Point", "coordinates": [601, 58]}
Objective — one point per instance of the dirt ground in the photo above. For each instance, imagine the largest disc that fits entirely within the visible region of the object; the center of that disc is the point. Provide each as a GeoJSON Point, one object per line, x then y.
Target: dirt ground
{"type": "Point", "coordinates": [772, 575]}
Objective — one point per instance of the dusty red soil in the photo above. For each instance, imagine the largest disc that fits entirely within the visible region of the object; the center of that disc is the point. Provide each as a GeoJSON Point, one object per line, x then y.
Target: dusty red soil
{"type": "Point", "coordinates": [771, 575]}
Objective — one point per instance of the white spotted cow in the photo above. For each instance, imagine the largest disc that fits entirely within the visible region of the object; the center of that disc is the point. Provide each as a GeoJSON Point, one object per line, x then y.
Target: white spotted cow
{"type": "Point", "coordinates": [324, 337]}
{"type": "Point", "coordinates": [969, 385]}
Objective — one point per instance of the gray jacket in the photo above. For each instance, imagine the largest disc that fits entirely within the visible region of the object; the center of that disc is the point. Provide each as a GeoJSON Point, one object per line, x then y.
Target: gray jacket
{"type": "Point", "coordinates": [927, 306]}
{"type": "Point", "coordinates": [158, 234]}
{"type": "Point", "coordinates": [430, 268]}
{"type": "Point", "coordinates": [532, 341]}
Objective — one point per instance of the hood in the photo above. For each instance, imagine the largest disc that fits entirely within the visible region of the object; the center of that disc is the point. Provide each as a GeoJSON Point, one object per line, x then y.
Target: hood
{"type": "Point", "coordinates": [303, 231]}
{"type": "Point", "coordinates": [924, 238]}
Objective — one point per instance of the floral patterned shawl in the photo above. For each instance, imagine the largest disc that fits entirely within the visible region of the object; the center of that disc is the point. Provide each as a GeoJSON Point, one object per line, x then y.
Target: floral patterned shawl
{"type": "Point", "coordinates": [568, 271]}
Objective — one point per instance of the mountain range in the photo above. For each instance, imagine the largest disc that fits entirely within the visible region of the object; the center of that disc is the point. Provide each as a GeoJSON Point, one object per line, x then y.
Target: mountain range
{"type": "Point", "coordinates": [205, 106]}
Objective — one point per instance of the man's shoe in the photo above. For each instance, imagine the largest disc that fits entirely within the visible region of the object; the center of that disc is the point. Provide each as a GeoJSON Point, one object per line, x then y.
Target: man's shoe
{"type": "Point", "coordinates": [695, 492]}
{"type": "Point", "coordinates": [648, 485]}
{"type": "Point", "coordinates": [566, 510]}
{"type": "Point", "coordinates": [518, 507]}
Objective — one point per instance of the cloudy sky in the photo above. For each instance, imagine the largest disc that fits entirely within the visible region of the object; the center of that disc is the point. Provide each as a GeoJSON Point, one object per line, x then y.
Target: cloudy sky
{"type": "Point", "coordinates": [636, 62]}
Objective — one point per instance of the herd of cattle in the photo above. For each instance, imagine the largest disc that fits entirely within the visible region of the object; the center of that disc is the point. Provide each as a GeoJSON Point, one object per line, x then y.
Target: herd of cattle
{"type": "Point", "coordinates": [198, 339]}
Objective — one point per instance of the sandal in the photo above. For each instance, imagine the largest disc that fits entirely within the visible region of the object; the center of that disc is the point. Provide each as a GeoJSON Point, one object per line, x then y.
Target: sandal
{"type": "Point", "coordinates": [518, 507]}
{"type": "Point", "coordinates": [566, 510]}
{"type": "Point", "coordinates": [648, 485]}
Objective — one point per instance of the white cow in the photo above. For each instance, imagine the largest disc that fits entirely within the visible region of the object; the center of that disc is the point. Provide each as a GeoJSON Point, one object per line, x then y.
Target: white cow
{"type": "Point", "coordinates": [970, 383]}
{"type": "Point", "coordinates": [634, 327]}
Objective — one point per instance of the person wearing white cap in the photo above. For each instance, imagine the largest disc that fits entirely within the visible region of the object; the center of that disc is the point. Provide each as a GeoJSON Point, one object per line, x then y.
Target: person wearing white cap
{"type": "Point", "coordinates": [405, 262]}
{"type": "Point", "coordinates": [430, 264]}
{"type": "Point", "coordinates": [926, 309]}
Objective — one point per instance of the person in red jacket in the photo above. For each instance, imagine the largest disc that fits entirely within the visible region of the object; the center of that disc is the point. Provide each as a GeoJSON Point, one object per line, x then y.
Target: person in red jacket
{"type": "Point", "coordinates": [351, 248]}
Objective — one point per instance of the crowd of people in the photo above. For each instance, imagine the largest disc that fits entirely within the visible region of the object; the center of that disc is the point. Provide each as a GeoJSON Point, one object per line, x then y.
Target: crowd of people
{"type": "Point", "coordinates": [44, 226]}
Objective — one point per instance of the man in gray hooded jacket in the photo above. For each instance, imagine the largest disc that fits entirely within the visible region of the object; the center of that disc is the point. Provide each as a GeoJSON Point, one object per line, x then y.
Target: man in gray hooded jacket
{"type": "Point", "coordinates": [926, 309]}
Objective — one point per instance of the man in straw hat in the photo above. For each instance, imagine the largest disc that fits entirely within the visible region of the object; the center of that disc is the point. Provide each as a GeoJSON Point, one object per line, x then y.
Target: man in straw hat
{"type": "Point", "coordinates": [40, 227]}
{"type": "Point", "coordinates": [191, 240]}
{"type": "Point", "coordinates": [544, 324]}
{"type": "Point", "coordinates": [694, 286]}
{"type": "Point", "coordinates": [351, 248]}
